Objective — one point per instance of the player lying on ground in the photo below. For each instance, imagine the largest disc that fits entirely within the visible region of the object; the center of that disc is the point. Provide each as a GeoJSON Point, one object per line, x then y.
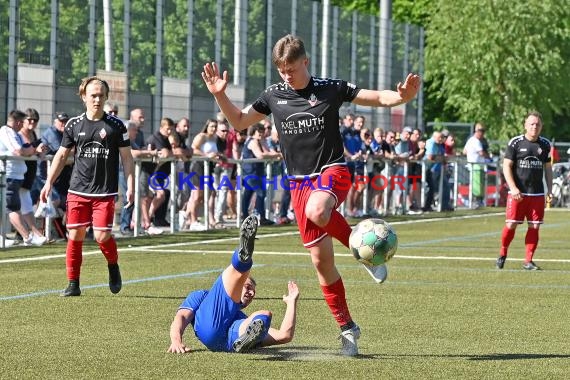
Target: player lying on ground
{"type": "Point", "coordinates": [216, 316]}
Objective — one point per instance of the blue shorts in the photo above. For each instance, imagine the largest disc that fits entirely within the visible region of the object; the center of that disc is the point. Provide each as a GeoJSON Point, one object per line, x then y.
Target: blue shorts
{"type": "Point", "coordinates": [217, 320]}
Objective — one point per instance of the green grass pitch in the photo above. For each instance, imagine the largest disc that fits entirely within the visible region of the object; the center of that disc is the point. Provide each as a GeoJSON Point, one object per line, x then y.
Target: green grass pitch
{"type": "Point", "coordinates": [444, 313]}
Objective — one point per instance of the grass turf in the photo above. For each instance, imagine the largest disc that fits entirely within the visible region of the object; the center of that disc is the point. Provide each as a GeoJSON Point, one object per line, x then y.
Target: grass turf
{"type": "Point", "coordinates": [444, 313]}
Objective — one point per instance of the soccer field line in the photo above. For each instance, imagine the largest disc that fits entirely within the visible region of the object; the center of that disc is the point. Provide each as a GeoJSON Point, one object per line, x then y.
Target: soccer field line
{"type": "Point", "coordinates": [233, 238]}
{"type": "Point", "coordinates": [398, 256]}
{"type": "Point", "coordinates": [291, 233]}
{"type": "Point", "coordinates": [135, 281]}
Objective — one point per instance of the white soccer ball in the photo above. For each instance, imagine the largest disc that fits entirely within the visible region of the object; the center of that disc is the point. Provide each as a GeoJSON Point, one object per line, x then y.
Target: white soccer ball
{"type": "Point", "coordinates": [373, 242]}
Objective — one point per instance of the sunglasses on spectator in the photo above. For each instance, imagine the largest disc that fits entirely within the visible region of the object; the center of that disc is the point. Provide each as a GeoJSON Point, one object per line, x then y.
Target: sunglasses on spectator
{"type": "Point", "coordinates": [367, 135]}
{"type": "Point", "coordinates": [223, 130]}
{"type": "Point", "coordinates": [32, 120]}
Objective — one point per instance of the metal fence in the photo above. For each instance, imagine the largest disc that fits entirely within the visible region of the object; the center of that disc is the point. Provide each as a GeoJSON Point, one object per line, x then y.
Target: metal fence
{"type": "Point", "coordinates": [152, 52]}
{"type": "Point", "coordinates": [391, 186]}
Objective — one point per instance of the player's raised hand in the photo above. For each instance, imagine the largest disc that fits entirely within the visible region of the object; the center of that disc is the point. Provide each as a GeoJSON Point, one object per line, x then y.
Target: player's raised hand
{"type": "Point", "coordinates": [410, 88]}
{"type": "Point", "coordinates": [215, 82]}
{"type": "Point", "coordinates": [293, 293]}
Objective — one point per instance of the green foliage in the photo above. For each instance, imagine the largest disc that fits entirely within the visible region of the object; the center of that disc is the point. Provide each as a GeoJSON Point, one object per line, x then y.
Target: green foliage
{"type": "Point", "coordinates": [495, 61]}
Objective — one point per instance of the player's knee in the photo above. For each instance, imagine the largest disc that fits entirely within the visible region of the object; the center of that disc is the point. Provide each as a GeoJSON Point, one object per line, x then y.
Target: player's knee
{"type": "Point", "coordinates": [318, 214]}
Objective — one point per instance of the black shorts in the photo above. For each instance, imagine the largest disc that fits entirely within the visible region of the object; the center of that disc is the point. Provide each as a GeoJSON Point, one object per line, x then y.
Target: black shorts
{"type": "Point", "coordinates": [13, 194]}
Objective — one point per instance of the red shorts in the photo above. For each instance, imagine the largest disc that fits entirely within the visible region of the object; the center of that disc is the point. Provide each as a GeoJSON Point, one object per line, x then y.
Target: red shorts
{"type": "Point", "coordinates": [530, 207]}
{"type": "Point", "coordinates": [335, 180]}
{"type": "Point", "coordinates": [85, 211]}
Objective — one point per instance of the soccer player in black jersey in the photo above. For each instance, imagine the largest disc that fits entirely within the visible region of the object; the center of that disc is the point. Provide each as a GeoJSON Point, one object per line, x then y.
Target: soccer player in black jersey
{"type": "Point", "coordinates": [98, 140]}
{"type": "Point", "coordinates": [306, 113]}
{"type": "Point", "coordinates": [526, 162]}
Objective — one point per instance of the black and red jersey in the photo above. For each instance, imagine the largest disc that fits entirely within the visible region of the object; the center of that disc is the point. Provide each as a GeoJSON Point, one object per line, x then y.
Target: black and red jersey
{"type": "Point", "coordinates": [307, 122]}
{"type": "Point", "coordinates": [96, 142]}
{"type": "Point", "coordinates": [528, 159]}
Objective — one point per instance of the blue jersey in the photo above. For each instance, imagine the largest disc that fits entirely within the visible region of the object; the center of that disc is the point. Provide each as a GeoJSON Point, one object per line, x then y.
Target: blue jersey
{"type": "Point", "coordinates": [216, 317]}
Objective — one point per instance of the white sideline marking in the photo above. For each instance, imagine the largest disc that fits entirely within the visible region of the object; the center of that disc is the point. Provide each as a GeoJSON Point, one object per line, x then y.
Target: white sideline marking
{"type": "Point", "coordinates": [150, 247]}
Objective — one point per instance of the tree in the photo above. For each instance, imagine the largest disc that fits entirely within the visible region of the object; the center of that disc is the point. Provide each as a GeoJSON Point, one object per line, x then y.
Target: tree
{"type": "Point", "coordinates": [495, 60]}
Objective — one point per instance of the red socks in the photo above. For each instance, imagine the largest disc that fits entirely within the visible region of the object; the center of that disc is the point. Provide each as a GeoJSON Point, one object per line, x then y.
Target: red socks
{"type": "Point", "coordinates": [506, 239]}
{"type": "Point", "coordinates": [531, 241]}
{"type": "Point", "coordinates": [336, 299]}
{"type": "Point", "coordinates": [73, 259]}
{"type": "Point", "coordinates": [109, 249]}
{"type": "Point", "coordinates": [338, 228]}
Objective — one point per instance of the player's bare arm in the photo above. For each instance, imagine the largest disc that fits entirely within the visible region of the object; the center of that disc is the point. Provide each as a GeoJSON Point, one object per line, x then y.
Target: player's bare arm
{"type": "Point", "coordinates": [240, 119]}
{"type": "Point", "coordinates": [509, 177]}
{"type": "Point", "coordinates": [181, 320]}
{"type": "Point", "coordinates": [548, 177]}
{"type": "Point", "coordinates": [387, 98]}
{"type": "Point", "coordinates": [58, 162]}
{"type": "Point", "coordinates": [287, 329]}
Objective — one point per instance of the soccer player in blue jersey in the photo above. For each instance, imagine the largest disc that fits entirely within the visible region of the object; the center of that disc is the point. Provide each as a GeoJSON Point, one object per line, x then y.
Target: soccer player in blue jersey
{"type": "Point", "coordinates": [306, 113]}
{"type": "Point", "coordinates": [216, 316]}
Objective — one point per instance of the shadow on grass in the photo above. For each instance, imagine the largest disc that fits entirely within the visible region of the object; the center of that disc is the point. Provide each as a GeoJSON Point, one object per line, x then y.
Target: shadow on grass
{"type": "Point", "coordinates": [313, 353]}
{"type": "Point", "coordinates": [515, 356]}
{"type": "Point", "coordinates": [305, 353]}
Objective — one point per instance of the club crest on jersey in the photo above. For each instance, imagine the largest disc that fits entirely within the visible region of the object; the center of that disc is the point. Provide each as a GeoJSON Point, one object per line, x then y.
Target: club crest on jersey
{"type": "Point", "coordinates": [313, 100]}
{"type": "Point", "coordinates": [539, 150]}
{"type": "Point", "coordinates": [102, 134]}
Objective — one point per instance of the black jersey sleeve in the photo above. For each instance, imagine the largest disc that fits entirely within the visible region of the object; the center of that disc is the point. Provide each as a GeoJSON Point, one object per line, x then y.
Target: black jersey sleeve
{"type": "Point", "coordinates": [261, 105]}
{"type": "Point", "coordinates": [347, 91]}
{"type": "Point", "coordinates": [68, 139]}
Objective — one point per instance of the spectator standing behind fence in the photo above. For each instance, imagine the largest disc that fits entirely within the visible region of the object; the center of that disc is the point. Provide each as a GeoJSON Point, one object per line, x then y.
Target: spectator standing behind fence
{"type": "Point", "coordinates": [222, 172]}
{"type": "Point", "coordinates": [253, 173]}
{"type": "Point", "coordinates": [280, 170]}
{"type": "Point", "coordinates": [415, 169]}
{"type": "Point", "coordinates": [98, 140]}
{"type": "Point", "coordinates": [352, 151]}
{"type": "Point", "coordinates": [404, 151]}
{"type": "Point", "coordinates": [159, 142]}
{"type": "Point", "coordinates": [306, 112]}
{"type": "Point", "coordinates": [380, 152]}
{"type": "Point", "coordinates": [28, 135]}
{"type": "Point", "coordinates": [476, 158]}
{"type": "Point", "coordinates": [435, 168]}
{"type": "Point", "coordinates": [527, 165]}
{"type": "Point", "coordinates": [11, 144]}
{"type": "Point", "coordinates": [203, 145]}
{"type": "Point", "coordinates": [183, 154]}
{"type": "Point", "coordinates": [137, 117]}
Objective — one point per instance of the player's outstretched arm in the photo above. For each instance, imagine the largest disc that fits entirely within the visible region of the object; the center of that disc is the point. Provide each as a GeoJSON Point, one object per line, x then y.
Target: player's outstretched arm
{"type": "Point", "coordinates": [181, 320]}
{"type": "Point", "coordinates": [287, 330]}
{"type": "Point", "coordinates": [217, 83]}
{"type": "Point", "coordinates": [387, 98]}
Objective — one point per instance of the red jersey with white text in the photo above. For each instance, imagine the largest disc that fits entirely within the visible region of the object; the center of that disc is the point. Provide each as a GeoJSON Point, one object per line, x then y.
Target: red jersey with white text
{"type": "Point", "coordinates": [528, 159]}
{"type": "Point", "coordinates": [307, 122]}
{"type": "Point", "coordinates": [96, 142]}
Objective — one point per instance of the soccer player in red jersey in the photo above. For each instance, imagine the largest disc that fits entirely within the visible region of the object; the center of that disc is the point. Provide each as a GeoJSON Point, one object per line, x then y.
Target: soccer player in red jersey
{"type": "Point", "coordinates": [306, 113]}
{"type": "Point", "coordinates": [527, 161]}
{"type": "Point", "coordinates": [98, 140]}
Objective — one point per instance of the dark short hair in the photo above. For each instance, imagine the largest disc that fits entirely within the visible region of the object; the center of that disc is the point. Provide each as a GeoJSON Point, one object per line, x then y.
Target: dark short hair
{"type": "Point", "coordinates": [17, 115]}
{"type": "Point", "coordinates": [32, 113]}
{"type": "Point", "coordinates": [255, 128]}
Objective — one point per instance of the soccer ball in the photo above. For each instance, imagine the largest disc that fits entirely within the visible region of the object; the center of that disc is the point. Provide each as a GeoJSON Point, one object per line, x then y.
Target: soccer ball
{"type": "Point", "coordinates": [373, 242]}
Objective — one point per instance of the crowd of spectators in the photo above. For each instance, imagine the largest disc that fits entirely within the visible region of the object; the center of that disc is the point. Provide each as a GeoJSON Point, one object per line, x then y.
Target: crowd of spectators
{"type": "Point", "coordinates": [373, 151]}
